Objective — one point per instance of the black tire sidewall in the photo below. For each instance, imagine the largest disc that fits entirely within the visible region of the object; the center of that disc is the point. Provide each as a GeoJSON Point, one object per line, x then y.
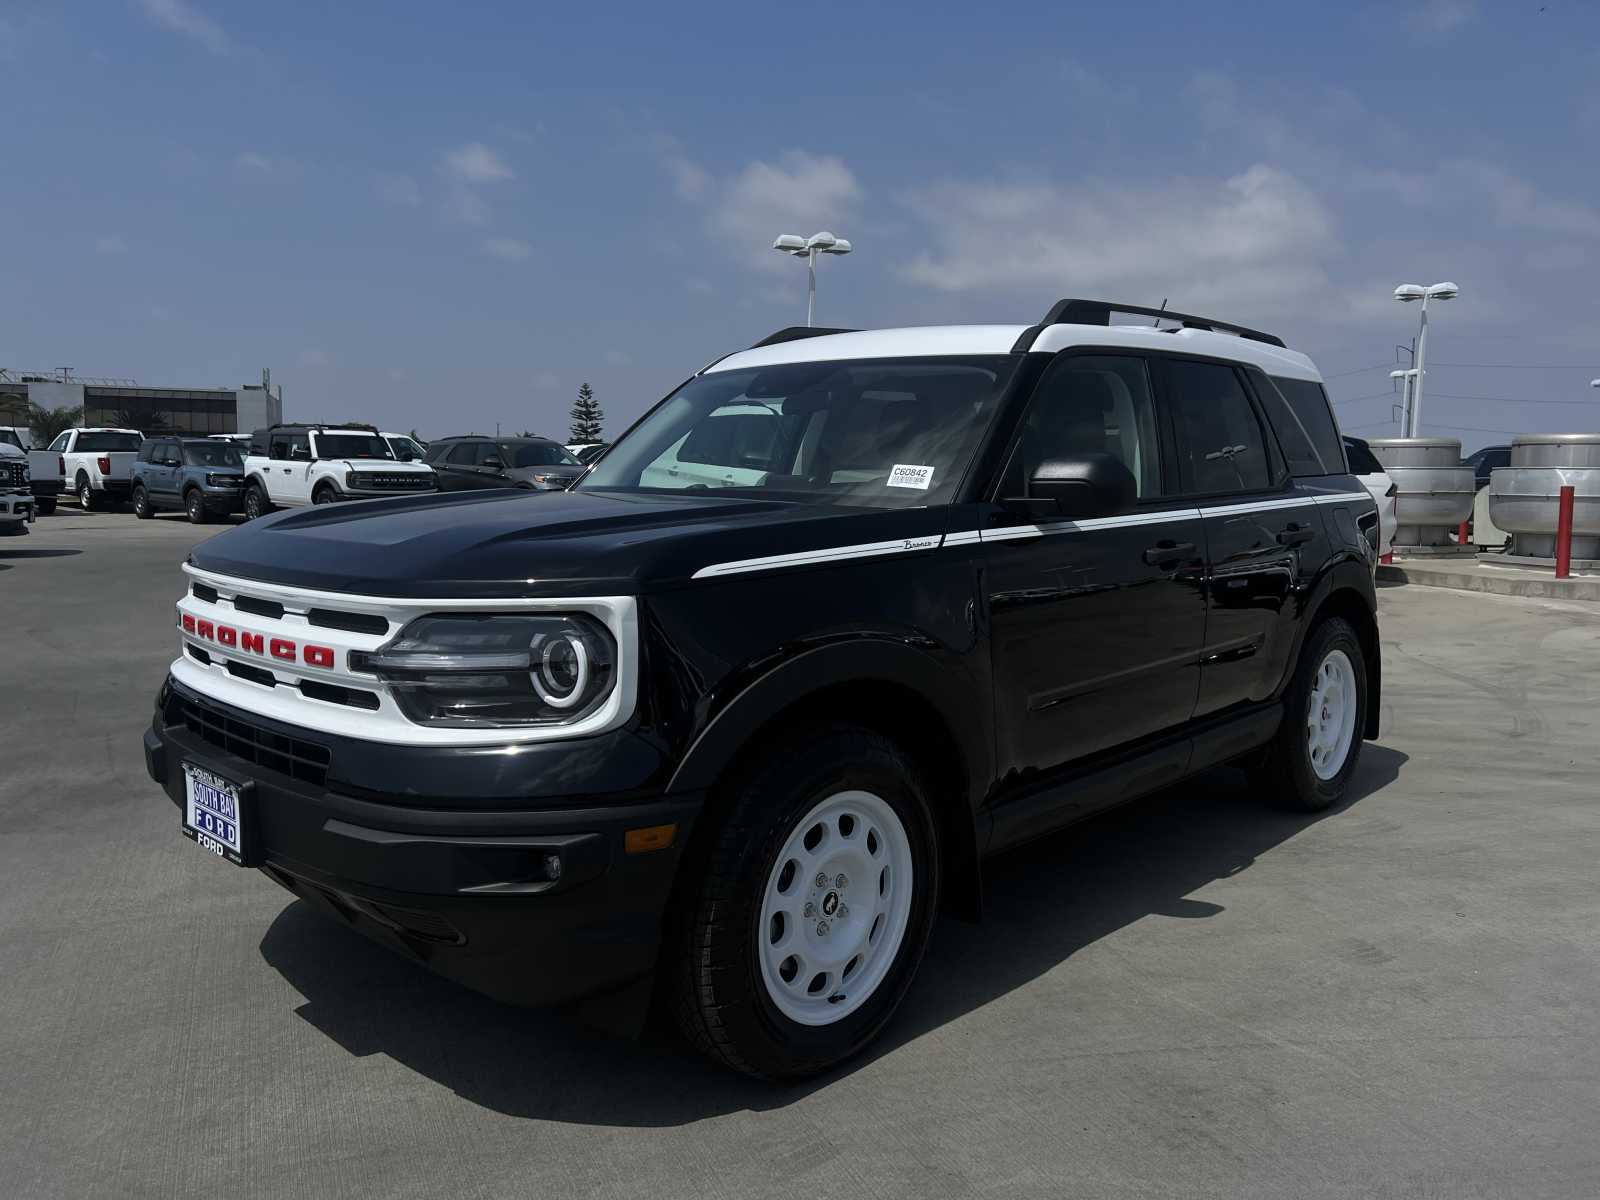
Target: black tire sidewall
{"type": "Point", "coordinates": [1311, 792]}
{"type": "Point", "coordinates": [141, 503]}
{"type": "Point", "coordinates": [194, 506]}
{"type": "Point", "coordinates": [254, 506]}
{"type": "Point", "coordinates": [841, 760]}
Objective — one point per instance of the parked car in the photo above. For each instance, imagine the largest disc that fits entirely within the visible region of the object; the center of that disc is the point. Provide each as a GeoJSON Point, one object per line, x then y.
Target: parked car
{"type": "Point", "coordinates": [45, 469]}
{"type": "Point", "coordinates": [96, 462]}
{"type": "Point", "coordinates": [1364, 465]}
{"type": "Point", "coordinates": [17, 508]}
{"type": "Point", "coordinates": [405, 447]}
{"type": "Point", "coordinates": [471, 462]}
{"type": "Point", "coordinates": [587, 452]}
{"type": "Point", "coordinates": [736, 745]}
{"type": "Point", "coordinates": [1484, 461]}
{"type": "Point", "coordinates": [201, 476]}
{"type": "Point", "coordinates": [291, 465]}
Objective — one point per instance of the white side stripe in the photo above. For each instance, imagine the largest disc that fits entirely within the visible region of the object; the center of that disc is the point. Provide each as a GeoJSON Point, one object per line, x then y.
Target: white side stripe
{"type": "Point", "coordinates": [970, 537]}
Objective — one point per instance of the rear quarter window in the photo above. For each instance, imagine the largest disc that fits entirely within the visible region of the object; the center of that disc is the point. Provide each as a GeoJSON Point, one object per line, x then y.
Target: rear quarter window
{"type": "Point", "coordinates": [1303, 420]}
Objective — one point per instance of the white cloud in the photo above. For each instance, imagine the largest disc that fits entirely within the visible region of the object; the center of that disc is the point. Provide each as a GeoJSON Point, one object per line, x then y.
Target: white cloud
{"type": "Point", "coordinates": [399, 190]}
{"type": "Point", "coordinates": [252, 161]}
{"type": "Point", "coordinates": [801, 193]}
{"type": "Point", "coordinates": [183, 18]}
{"type": "Point", "coordinates": [507, 249]}
{"type": "Point", "coordinates": [110, 243]}
{"type": "Point", "coordinates": [1443, 16]}
{"type": "Point", "coordinates": [476, 163]}
{"type": "Point", "coordinates": [1258, 239]}
{"type": "Point", "coordinates": [312, 358]}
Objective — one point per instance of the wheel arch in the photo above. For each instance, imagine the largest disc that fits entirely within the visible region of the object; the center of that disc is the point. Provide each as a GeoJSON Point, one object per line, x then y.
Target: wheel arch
{"type": "Point", "coordinates": [1346, 590]}
{"type": "Point", "coordinates": [904, 695]}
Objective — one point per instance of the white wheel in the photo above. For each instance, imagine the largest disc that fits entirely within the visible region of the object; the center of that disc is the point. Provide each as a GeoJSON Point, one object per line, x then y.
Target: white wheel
{"type": "Point", "coordinates": [1331, 715]}
{"type": "Point", "coordinates": [835, 908]}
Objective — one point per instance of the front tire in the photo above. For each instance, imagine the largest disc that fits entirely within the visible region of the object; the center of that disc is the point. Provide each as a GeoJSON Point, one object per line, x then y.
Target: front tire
{"type": "Point", "coordinates": [141, 503]}
{"type": "Point", "coordinates": [194, 507]}
{"type": "Point", "coordinates": [255, 503]}
{"type": "Point", "coordinates": [324, 494]}
{"type": "Point", "coordinates": [807, 924]}
{"type": "Point", "coordinates": [1308, 764]}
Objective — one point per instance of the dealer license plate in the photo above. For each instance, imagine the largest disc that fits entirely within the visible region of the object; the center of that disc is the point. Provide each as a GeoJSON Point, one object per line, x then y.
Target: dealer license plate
{"type": "Point", "coordinates": [212, 814]}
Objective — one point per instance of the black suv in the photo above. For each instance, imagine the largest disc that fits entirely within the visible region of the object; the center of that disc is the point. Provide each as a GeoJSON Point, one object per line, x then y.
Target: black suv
{"type": "Point", "coordinates": [738, 742]}
{"type": "Point", "coordinates": [1484, 462]}
{"type": "Point", "coordinates": [463, 463]}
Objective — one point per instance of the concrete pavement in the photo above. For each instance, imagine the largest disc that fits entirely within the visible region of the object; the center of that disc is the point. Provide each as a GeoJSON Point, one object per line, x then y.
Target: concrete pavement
{"type": "Point", "coordinates": [1189, 997]}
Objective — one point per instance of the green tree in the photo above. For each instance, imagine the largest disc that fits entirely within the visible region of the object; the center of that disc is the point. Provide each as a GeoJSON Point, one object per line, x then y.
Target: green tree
{"type": "Point", "coordinates": [48, 423]}
{"type": "Point", "coordinates": [587, 417]}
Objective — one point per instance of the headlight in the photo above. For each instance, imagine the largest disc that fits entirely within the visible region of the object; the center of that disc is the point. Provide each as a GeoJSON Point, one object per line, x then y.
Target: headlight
{"type": "Point", "coordinates": [223, 481]}
{"type": "Point", "coordinates": [351, 480]}
{"type": "Point", "coordinates": [512, 670]}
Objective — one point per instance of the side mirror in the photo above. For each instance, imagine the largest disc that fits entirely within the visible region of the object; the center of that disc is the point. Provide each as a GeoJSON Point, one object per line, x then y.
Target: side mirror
{"type": "Point", "coordinates": [1085, 485]}
{"type": "Point", "coordinates": [494, 464]}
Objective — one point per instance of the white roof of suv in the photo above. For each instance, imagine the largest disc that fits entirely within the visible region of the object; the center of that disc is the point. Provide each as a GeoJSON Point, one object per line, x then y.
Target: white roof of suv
{"type": "Point", "coordinates": [1259, 350]}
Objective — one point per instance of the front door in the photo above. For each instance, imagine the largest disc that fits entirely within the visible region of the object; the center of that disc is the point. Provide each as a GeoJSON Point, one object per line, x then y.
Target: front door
{"type": "Point", "coordinates": [1096, 624]}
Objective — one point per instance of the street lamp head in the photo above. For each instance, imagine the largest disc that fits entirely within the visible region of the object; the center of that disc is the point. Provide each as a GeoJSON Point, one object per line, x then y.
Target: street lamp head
{"type": "Point", "coordinates": [790, 243]}
{"type": "Point", "coordinates": [840, 246]}
{"type": "Point", "coordinates": [821, 241]}
{"type": "Point", "coordinates": [1410, 291]}
{"type": "Point", "coordinates": [1594, 383]}
{"type": "Point", "coordinates": [1443, 291]}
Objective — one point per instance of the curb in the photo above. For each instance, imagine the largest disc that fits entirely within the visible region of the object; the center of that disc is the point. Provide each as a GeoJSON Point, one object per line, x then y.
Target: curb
{"type": "Point", "coordinates": [1490, 580]}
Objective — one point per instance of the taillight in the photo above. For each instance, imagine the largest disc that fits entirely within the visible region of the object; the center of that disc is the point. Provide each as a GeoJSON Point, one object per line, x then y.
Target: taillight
{"type": "Point", "coordinates": [104, 463]}
{"type": "Point", "coordinates": [61, 464]}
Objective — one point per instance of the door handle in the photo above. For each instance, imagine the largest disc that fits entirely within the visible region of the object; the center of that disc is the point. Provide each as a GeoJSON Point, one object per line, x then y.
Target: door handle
{"type": "Point", "coordinates": [1295, 535]}
{"type": "Point", "coordinates": [1168, 551]}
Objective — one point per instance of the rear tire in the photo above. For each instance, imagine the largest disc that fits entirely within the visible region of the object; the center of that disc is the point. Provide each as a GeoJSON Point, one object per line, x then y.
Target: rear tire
{"type": "Point", "coordinates": [47, 505]}
{"type": "Point", "coordinates": [760, 964]}
{"type": "Point", "coordinates": [194, 507]}
{"type": "Point", "coordinates": [1308, 764]}
{"type": "Point", "coordinates": [86, 497]}
{"type": "Point", "coordinates": [141, 503]}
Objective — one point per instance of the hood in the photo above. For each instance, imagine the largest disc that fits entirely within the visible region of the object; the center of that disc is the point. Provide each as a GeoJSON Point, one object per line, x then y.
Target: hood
{"type": "Point", "coordinates": [381, 464]}
{"type": "Point", "coordinates": [520, 543]}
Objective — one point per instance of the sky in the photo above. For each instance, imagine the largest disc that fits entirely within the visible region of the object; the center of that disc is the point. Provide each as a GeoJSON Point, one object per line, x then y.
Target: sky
{"type": "Point", "coordinates": [445, 217]}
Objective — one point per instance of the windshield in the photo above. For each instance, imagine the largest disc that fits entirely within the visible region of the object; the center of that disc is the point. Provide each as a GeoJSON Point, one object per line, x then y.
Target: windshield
{"type": "Point", "coordinates": [10, 439]}
{"type": "Point", "coordinates": [104, 442]}
{"type": "Point", "coordinates": [352, 445]}
{"type": "Point", "coordinates": [536, 454]}
{"type": "Point", "coordinates": [882, 433]}
{"type": "Point", "coordinates": [212, 454]}
{"type": "Point", "coordinates": [404, 446]}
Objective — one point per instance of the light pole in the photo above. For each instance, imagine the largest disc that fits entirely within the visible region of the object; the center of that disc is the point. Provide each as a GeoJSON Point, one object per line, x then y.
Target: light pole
{"type": "Point", "coordinates": [808, 249]}
{"type": "Point", "coordinates": [1406, 293]}
{"type": "Point", "coordinates": [1407, 379]}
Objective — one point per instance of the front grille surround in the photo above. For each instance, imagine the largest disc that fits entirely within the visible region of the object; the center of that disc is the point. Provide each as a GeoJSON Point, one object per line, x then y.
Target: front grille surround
{"type": "Point", "coordinates": [296, 758]}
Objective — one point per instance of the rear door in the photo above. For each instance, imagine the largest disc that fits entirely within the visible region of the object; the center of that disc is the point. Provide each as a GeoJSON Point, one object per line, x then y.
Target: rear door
{"type": "Point", "coordinates": [1096, 625]}
{"type": "Point", "coordinates": [1263, 533]}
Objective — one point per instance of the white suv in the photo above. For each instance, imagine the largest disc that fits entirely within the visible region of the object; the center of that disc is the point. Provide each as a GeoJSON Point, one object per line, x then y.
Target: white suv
{"type": "Point", "coordinates": [291, 465]}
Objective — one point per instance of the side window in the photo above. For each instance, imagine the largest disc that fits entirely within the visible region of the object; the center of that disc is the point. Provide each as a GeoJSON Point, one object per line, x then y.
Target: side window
{"type": "Point", "coordinates": [300, 446]}
{"type": "Point", "coordinates": [280, 446]}
{"type": "Point", "coordinates": [60, 444]}
{"type": "Point", "coordinates": [1220, 444]}
{"type": "Point", "coordinates": [1299, 413]}
{"type": "Point", "coordinates": [1090, 405]}
{"type": "Point", "coordinates": [463, 454]}
{"type": "Point", "coordinates": [489, 454]}
{"type": "Point", "coordinates": [147, 452]}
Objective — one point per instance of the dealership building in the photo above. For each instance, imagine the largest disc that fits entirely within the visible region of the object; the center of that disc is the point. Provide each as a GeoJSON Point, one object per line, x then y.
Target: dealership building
{"type": "Point", "coordinates": [126, 405]}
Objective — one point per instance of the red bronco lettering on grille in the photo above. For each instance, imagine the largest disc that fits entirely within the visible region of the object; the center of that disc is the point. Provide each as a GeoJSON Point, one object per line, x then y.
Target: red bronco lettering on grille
{"type": "Point", "coordinates": [283, 649]}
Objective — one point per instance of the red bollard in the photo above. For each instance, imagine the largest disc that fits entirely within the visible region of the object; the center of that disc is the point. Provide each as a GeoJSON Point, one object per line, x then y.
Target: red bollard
{"type": "Point", "coordinates": [1462, 535]}
{"type": "Point", "coordinates": [1564, 533]}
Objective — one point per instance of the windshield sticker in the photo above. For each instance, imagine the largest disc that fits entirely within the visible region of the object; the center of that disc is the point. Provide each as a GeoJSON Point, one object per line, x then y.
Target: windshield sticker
{"type": "Point", "coordinates": [909, 475]}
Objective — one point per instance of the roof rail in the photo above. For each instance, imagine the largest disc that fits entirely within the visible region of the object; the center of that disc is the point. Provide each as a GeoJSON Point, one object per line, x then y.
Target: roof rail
{"type": "Point", "coordinates": [1098, 312]}
{"type": "Point", "coordinates": [796, 332]}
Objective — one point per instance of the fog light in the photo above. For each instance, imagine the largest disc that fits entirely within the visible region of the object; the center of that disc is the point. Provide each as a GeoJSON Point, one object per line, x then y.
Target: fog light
{"type": "Point", "coordinates": [552, 867]}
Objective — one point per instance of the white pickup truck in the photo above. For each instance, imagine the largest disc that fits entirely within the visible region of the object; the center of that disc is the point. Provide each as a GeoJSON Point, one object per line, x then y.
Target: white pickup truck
{"type": "Point", "coordinates": [291, 465]}
{"type": "Point", "coordinates": [16, 502]}
{"type": "Point", "coordinates": [44, 467]}
{"type": "Point", "coordinates": [97, 464]}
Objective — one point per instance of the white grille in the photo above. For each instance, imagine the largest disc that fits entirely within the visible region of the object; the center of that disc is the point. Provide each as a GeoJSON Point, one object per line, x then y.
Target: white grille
{"type": "Point", "coordinates": [238, 606]}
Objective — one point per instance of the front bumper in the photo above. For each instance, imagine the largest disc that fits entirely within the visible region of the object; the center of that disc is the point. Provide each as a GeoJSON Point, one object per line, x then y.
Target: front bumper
{"type": "Point", "coordinates": [465, 892]}
{"type": "Point", "coordinates": [16, 507]}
